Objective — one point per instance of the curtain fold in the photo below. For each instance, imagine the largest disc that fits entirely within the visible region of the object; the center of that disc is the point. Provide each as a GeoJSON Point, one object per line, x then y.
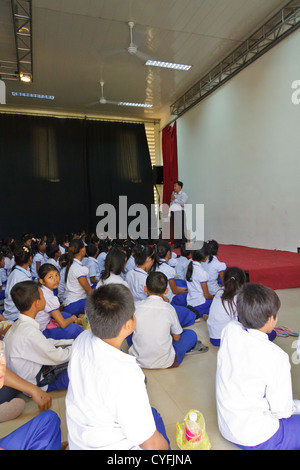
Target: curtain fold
{"type": "Point", "coordinates": [169, 151]}
{"type": "Point", "coordinates": [56, 171]}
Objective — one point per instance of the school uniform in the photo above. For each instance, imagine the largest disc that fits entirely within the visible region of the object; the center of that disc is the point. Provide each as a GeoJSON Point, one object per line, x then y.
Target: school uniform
{"type": "Point", "coordinates": [130, 264]}
{"type": "Point", "coordinates": [111, 416]}
{"type": "Point", "coordinates": [55, 263]}
{"type": "Point", "coordinates": [181, 267]}
{"type": "Point", "coordinates": [38, 258]}
{"type": "Point", "coordinates": [213, 268]}
{"type": "Point", "coordinates": [219, 317]}
{"type": "Point", "coordinates": [195, 296]}
{"type": "Point", "coordinates": [27, 349]}
{"type": "Point", "coordinates": [48, 325]}
{"type": "Point", "coordinates": [40, 433]}
{"type": "Point", "coordinates": [75, 295]}
{"type": "Point", "coordinates": [101, 261]}
{"type": "Point", "coordinates": [93, 267]}
{"type": "Point", "coordinates": [61, 286]}
{"type": "Point", "coordinates": [18, 274]}
{"type": "Point", "coordinates": [254, 391]}
{"type": "Point", "coordinates": [136, 280]}
{"type": "Point", "coordinates": [112, 279]}
{"type": "Point", "coordinates": [152, 343]}
{"type": "Point", "coordinates": [179, 302]}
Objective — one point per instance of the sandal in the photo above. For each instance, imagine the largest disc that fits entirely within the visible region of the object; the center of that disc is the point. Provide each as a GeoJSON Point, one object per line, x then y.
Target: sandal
{"type": "Point", "coordinates": [198, 348]}
{"type": "Point", "coordinates": [284, 331]}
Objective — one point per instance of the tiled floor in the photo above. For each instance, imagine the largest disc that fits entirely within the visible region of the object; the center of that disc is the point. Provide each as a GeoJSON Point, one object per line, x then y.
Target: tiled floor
{"type": "Point", "coordinates": [173, 392]}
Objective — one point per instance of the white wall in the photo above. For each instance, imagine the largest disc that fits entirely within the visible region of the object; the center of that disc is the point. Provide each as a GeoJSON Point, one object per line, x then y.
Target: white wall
{"type": "Point", "coordinates": [239, 154]}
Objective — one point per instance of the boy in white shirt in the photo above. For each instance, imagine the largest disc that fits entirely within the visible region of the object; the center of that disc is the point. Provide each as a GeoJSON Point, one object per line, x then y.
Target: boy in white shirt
{"type": "Point", "coordinates": [159, 342]}
{"type": "Point", "coordinates": [255, 405]}
{"type": "Point", "coordinates": [27, 349]}
{"type": "Point", "coordinates": [107, 405]}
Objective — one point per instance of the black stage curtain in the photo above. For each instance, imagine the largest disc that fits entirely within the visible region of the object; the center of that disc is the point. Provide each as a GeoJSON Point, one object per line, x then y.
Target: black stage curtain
{"type": "Point", "coordinates": [57, 171]}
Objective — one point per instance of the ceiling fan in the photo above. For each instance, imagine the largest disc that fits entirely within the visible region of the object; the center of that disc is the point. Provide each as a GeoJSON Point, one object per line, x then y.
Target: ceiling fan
{"type": "Point", "coordinates": [132, 49]}
{"type": "Point", "coordinates": [103, 100]}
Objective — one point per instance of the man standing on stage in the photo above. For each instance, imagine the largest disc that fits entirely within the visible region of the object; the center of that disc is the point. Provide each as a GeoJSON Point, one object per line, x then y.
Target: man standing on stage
{"type": "Point", "coordinates": [178, 201]}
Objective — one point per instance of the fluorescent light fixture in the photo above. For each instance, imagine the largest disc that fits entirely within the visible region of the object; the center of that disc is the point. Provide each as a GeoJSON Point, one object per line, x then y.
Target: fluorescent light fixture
{"type": "Point", "coordinates": [168, 65]}
{"type": "Point", "coordinates": [32, 95]}
{"type": "Point", "coordinates": [139, 105]}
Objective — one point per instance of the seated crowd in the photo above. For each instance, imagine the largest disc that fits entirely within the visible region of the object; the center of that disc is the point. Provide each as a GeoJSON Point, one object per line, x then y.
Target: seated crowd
{"type": "Point", "coordinates": [69, 304]}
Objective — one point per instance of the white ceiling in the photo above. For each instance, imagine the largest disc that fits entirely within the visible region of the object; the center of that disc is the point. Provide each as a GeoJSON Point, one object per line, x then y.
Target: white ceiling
{"type": "Point", "coordinates": [74, 43]}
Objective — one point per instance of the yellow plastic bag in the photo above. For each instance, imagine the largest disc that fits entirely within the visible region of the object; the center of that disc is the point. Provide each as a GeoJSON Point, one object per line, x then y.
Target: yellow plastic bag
{"type": "Point", "coordinates": [85, 322]}
{"type": "Point", "coordinates": [193, 444]}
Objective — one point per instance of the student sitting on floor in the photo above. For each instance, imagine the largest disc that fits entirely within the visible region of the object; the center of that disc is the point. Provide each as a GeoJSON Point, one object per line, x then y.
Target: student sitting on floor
{"type": "Point", "coordinates": [11, 404]}
{"type": "Point", "coordinates": [158, 341]}
{"type": "Point", "coordinates": [20, 272]}
{"type": "Point", "coordinates": [182, 263]}
{"type": "Point", "coordinates": [176, 293]}
{"type": "Point", "coordinates": [40, 433]}
{"type": "Point", "coordinates": [77, 286]}
{"type": "Point", "coordinates": [114, 266]}
{"type": "Point", "coordinates": [198, 295]}
{"type": "Point", "coordinates": [53, 252]}
{"type": "Point", "coordinates": [92, 264]}
{"type": "Point", "coordinates": [223, 307]}
{"type": "Point", "coordinates": [254, 396]}
{"type": "Point", "coordinates": [53, 322]}
{"type": "Point", "coordinates": [39, 257]}
{"type": "Point", "coordinates": [145, 257]}
{"type": "Point", "coordinates": [213, 266]}
{"type": "Point", "coordinates": [107, 405]}
{"type": "Point", "coordinates": [27, 349]}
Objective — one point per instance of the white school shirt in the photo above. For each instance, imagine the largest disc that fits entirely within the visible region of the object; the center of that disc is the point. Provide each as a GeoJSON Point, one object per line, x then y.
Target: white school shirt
{"type": "Point", "coordinates": [253, 386]}
{"type": "Point", "coordinates": [170, 272]}
{"type": "Point", "coordinates": [152, 344]}
{"type": "Point", "coordinates": [61, 285]}
{"type": "Point", "coordinates": [55, 263]}
{"type": "Point", "coordinates": [130, 264]}
{"type": "Point", "coordinates": [27, 349]}
{"type": "Point", "coordinates": [181, 266]}
{"type": "Point", "coordinates": [136, 280]}
{"type": "Point", "coordinates": [52, 303]}
{"type": "Point", "coordinates": [93, 267]}
{"type": "Point", "coordinates": [195, 294]}
{"type": "Point", "coordinates": [107, 405]}
{"type": "Point", "coordinates": [214, 268]}
{"type": "Point", "coordinates": [101, 261]}
{"type": "Point", "coordinates": [113, 279]}
{"type": "Point", "coordinates": [73, 290]}
{"type": "Point", "coordinates": [218, 317]}
{"type": "Point", "coordinates": [18, 274]}
{"type": "Point", "coordinates": [38, 258]}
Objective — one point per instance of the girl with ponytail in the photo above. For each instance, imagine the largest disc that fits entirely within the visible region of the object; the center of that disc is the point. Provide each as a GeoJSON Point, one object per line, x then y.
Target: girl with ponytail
{"type": "Point", "coordinates": [77, 286]}
{"type": "Point", "coordinates": [223, 307]}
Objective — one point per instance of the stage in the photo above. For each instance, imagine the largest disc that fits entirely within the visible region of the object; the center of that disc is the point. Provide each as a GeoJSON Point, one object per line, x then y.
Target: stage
{"type": "Point", "coordinates": [273, 268]}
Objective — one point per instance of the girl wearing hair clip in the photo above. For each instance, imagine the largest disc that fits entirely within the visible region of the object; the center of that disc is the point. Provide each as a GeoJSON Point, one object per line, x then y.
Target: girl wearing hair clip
{"type": "Point", "coordinates": [223, 307]}
{"type": "Point", "coordinates": [20, 272]}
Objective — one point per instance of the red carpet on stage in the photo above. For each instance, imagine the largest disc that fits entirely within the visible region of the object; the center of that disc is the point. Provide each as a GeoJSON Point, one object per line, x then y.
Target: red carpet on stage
{"type": "Point", "coordinates": [272, 268]}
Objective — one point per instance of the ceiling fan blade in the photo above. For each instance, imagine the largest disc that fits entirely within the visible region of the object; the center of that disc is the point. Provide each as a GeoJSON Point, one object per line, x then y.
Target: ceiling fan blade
{"type": "Point", "coordinates": [93, 103]}
{"type": "Point", "coordinates": [143, 56]}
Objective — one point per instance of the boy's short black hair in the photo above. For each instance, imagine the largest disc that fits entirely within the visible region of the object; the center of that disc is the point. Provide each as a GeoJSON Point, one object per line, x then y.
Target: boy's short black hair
{"type": "Point", "coordinates": [24, 294]}
{"type": "Point", "coordinates": [108, 308]}
{"type": "Point", "coordinates": [256, 304]}
{"type": "Point", "coordinates": [157, 282]}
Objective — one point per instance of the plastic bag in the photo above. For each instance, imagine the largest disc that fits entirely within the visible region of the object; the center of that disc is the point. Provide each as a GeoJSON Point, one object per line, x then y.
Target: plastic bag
{"type": "Point", "coordinates": [181, 440]}
{"type": "Point", "coordinates": [85, 322]}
